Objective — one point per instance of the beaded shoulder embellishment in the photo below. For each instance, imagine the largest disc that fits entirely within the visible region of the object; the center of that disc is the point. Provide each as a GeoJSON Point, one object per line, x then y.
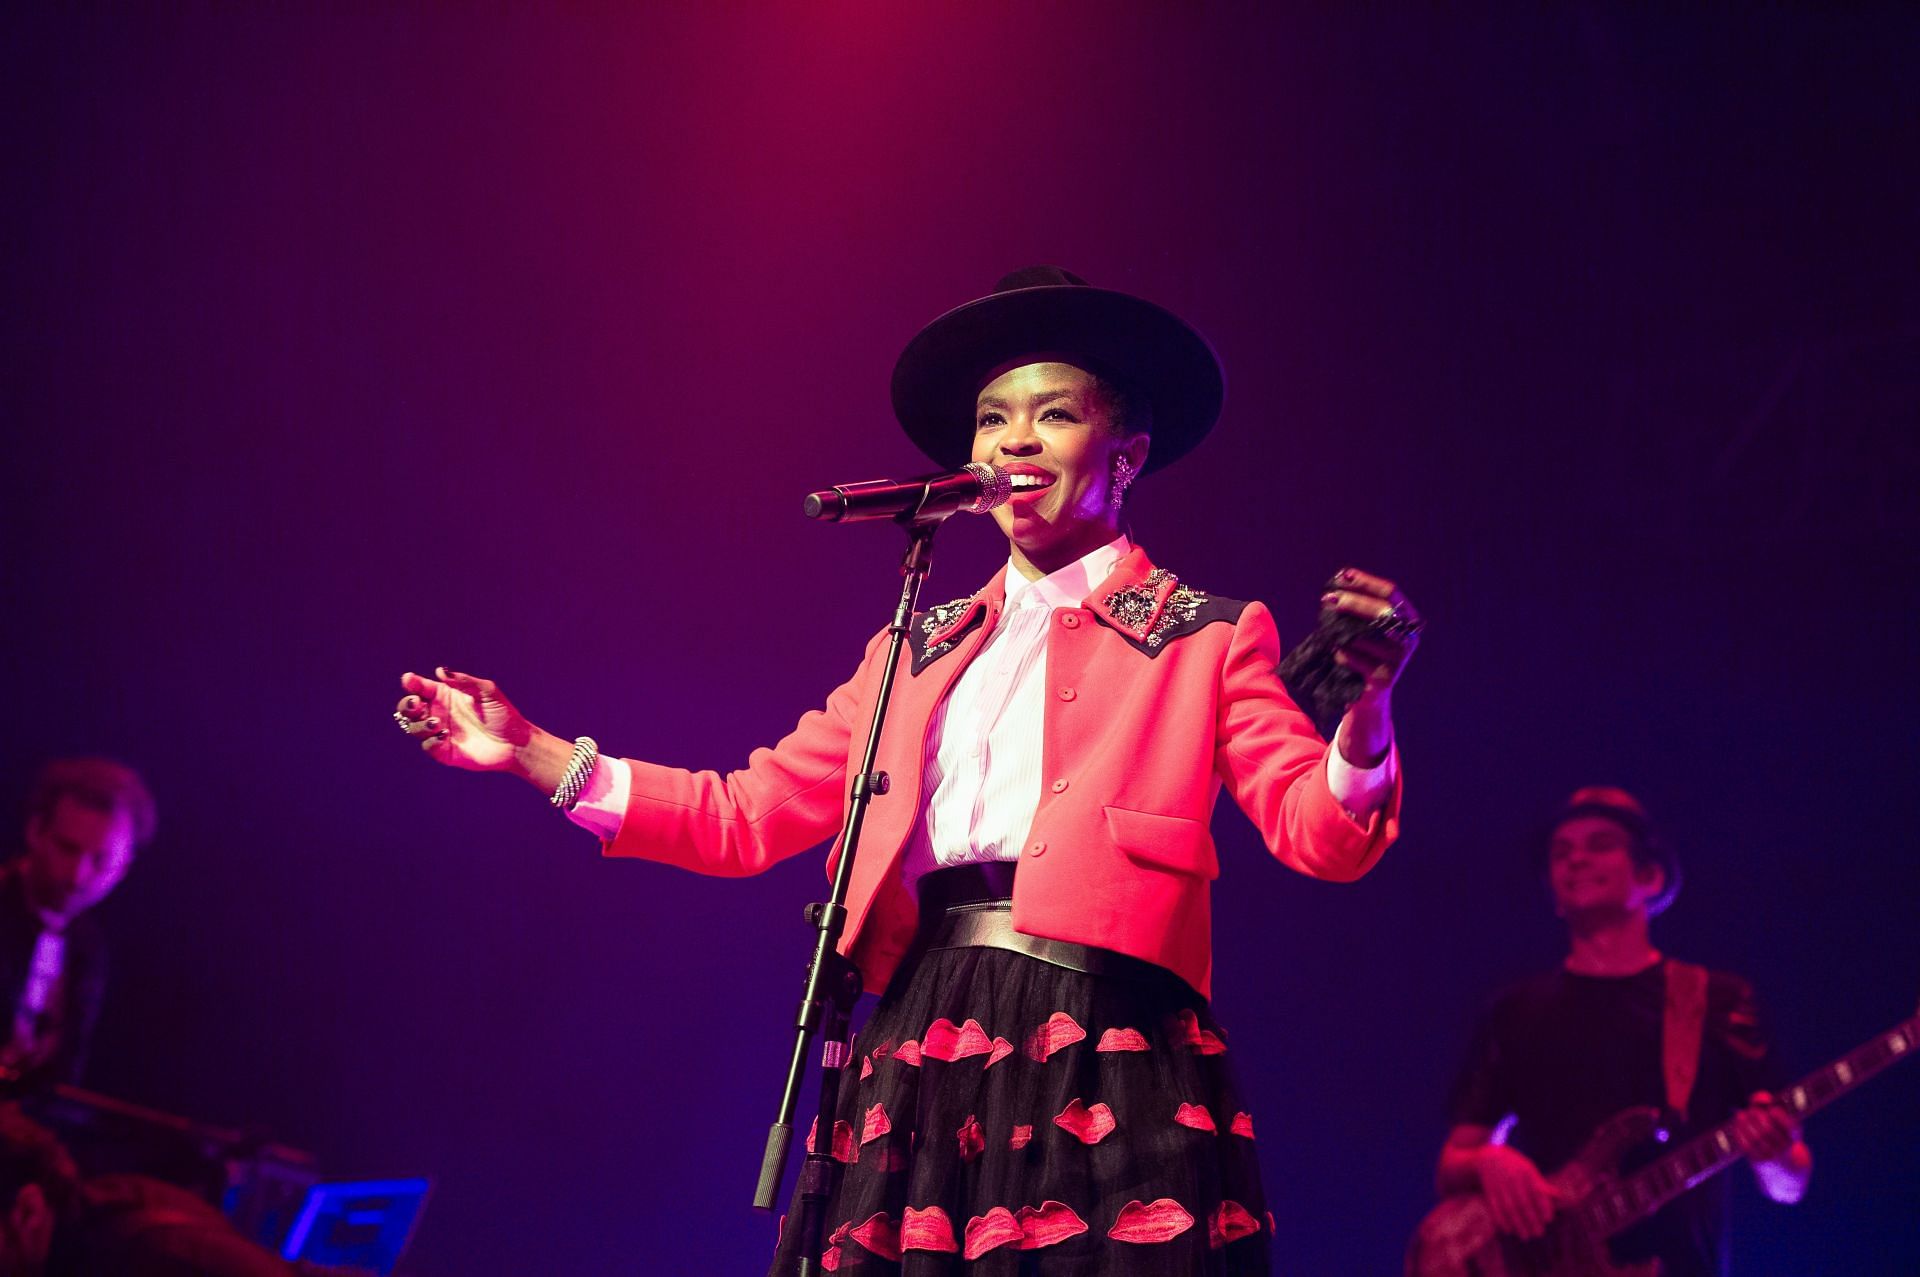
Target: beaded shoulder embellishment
{"type": "Point", "coordinates": [940, 626]}
{"type": "Point", "coordinates": [1139, 608]}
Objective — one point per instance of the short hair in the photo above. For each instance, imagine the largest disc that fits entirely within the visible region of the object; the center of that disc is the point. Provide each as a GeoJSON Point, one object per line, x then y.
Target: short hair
{"type": "Point", "coordinates": [1131, 412]}
{"type": "Point", "coordinates": [99, 783]}
{"type": "Point", "coordinates": [1644, 841]}
{"type": "Point", "coordinates": [32, 1154]}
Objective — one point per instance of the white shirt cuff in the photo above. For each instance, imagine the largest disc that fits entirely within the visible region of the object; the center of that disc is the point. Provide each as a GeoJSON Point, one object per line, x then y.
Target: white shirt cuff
{"type": "Point", "coordinates": [602, 805]}
{"type": "Point", "coordinates": [1361, 790]}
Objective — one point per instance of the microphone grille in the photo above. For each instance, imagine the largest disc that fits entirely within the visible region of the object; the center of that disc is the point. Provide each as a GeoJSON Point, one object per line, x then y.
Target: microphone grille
{"type": "Point", "coordinates": [996, 485]}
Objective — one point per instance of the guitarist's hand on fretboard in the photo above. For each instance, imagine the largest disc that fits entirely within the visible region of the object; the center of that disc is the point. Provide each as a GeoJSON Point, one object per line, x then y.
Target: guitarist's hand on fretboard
{"type": "Point", "coordinates": [1763, 1129]}
{"type": "Point", "coordinates": [1769, 1137]}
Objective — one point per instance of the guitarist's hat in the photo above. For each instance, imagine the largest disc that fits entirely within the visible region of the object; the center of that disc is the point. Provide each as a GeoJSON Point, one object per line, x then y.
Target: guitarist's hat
{"type": "Point", "coordinates": [1628, 812]}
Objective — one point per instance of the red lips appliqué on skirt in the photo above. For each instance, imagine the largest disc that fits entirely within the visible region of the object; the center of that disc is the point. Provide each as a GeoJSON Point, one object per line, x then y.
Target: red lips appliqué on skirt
{"type": "Point", "coordinates": [1091, 1147]}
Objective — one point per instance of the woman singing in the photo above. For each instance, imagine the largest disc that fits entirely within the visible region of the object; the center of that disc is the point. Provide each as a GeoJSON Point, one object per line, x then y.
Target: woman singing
{"type": "Point", "coordinates": [1042, 1087]}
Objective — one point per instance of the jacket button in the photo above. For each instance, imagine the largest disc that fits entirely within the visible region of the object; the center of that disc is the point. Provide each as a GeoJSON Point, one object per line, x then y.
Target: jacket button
{"type": "Point", "coordinates": [1059, 786]}
{"type": "Point", "coordinates": [1066, 693]}
{"type": "Point", "coordinates": [1038, 849]}
{"type": "Point", "coordinates": [1070, 620]}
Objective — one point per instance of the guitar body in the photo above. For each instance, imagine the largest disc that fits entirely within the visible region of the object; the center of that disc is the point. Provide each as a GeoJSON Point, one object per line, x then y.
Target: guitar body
{"type": "Point", "coordinates": [1458, 1239]}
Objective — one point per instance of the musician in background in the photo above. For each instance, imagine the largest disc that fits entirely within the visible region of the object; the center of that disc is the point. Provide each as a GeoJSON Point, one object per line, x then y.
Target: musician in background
{"type": "Point", "coordinates": [85, 818]}
{"type": "Point", "coordinates": [1559, 1054]}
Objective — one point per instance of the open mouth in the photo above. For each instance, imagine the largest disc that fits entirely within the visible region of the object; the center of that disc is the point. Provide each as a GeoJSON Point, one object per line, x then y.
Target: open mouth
{"type": "Point", "coordinates": [1029, 482]}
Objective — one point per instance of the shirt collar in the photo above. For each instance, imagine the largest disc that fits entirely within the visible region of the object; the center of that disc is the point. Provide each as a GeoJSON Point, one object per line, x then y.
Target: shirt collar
{"type": "Point", "coordinates": [1069, 586]}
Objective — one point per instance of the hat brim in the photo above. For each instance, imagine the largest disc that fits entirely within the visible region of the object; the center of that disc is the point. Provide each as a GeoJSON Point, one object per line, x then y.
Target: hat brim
{"type": "Point", "coordinates": [1151, 350]}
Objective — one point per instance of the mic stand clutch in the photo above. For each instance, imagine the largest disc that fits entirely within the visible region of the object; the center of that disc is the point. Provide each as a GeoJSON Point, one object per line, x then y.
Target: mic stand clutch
{"type": "Point", "coordinates": [833, 983]}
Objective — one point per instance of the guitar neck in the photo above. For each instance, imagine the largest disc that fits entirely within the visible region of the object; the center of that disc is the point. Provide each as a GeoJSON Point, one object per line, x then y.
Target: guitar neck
{"type": "Point", "coordinates": [1701, 1158]}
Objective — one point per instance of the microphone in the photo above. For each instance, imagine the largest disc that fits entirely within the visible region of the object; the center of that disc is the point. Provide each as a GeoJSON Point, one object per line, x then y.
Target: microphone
{"type": "Point", "coordinates": [975, 489]}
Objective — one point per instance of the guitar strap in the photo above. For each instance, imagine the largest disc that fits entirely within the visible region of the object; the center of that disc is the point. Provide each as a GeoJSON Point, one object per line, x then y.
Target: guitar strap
{"type": "Point", "coordinates": [1686, 1018]}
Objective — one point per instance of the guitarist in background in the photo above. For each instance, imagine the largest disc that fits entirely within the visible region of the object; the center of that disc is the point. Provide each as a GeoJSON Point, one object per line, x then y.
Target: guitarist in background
{"type": "Point", "coordinates": [86, 817]}
{"type": "Point", "coordinates": [1616, 1026]}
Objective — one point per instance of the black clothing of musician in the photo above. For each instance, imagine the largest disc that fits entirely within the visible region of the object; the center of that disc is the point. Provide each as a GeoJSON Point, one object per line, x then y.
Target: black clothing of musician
{"type": "Point", "coordinates": [1563, 1052]}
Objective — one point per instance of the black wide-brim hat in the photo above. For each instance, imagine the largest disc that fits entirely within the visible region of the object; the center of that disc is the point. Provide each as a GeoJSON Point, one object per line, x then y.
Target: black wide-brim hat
{"type": "Point", "coordinates": [1046, 311]}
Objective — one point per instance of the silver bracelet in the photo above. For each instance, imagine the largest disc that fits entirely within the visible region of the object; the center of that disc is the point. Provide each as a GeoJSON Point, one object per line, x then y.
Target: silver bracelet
{"type": "Point", "coordinates": [586, 754]}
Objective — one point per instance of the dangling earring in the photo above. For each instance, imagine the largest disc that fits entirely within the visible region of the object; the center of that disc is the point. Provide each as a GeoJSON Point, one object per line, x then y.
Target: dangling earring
{"type": "Point", "coordinates": [1123, 477]}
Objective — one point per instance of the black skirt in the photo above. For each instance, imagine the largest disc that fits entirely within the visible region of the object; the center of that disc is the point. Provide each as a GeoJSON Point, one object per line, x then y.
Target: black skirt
{"type": "Point", "coordinates": [1005, 1115]}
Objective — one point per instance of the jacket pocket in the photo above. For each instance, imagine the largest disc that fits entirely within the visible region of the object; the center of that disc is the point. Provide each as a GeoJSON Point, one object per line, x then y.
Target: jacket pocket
{"type": "Point", "coordinates": [1174, 843]}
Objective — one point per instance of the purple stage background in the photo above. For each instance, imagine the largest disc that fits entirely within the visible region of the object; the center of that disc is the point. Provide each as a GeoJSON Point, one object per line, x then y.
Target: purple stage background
{"type": "Point", "coordinates": [343, 342]}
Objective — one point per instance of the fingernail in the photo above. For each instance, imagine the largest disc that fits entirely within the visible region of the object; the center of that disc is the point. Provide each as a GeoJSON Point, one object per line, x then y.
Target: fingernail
{"type": "Point", "coordinates": [1329, 599]}
{"type": "Point", "coordinates": [433, 722]}
{"type": "Point", "coordinates": [1344, 574]}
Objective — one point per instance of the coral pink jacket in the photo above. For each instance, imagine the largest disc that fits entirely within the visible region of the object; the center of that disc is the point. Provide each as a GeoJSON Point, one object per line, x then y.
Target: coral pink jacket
{"type": "Point", "coordinates": [1157, 695]}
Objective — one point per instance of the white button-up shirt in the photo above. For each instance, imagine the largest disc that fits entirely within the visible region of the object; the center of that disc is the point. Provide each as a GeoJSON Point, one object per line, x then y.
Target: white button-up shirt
{"type": "Point", "coordinates": [982, 778]}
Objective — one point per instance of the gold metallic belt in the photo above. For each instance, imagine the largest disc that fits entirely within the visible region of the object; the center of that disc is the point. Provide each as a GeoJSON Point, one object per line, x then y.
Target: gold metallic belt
{"type": "Point", "coordinates": [988, 924]}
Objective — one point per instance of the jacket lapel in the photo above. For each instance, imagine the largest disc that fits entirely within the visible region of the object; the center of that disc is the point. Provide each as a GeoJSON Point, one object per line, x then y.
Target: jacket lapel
{"type": "Point", "coordinates": [1133, 596]}
{"type": "Point", "coordinates": [1151, 608]}
{"type": "Point", "coordinates": [938, 630]}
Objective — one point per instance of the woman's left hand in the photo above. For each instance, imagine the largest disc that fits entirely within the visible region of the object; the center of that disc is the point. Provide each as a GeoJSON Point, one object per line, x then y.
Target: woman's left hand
{"type": "Point", "coordinates": [1382, 650]}
{"type": "Point", "coordinates": [1377, 654]}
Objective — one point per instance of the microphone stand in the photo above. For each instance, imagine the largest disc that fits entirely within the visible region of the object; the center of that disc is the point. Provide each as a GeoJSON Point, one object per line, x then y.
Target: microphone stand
{"type": "Point", "coordinates": [833, 983]}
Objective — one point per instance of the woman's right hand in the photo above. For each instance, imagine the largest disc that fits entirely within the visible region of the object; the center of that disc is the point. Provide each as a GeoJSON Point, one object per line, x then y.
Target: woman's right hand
{"type": "Point", "coordinates": [465, 722]}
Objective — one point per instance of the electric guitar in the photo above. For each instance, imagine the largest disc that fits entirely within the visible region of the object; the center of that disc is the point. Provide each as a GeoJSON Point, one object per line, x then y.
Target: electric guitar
{"type": "Point", "coordinates": [1458, 1239]}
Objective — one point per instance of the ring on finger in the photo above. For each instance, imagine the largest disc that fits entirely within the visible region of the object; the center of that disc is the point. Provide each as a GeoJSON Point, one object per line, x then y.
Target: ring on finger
{"type": "Point", "coordinates": [1397, 622]}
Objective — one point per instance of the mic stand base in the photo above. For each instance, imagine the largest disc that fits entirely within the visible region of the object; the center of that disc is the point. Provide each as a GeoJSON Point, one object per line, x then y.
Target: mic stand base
{"type": "Point", "coordinates": [821, 1169]}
